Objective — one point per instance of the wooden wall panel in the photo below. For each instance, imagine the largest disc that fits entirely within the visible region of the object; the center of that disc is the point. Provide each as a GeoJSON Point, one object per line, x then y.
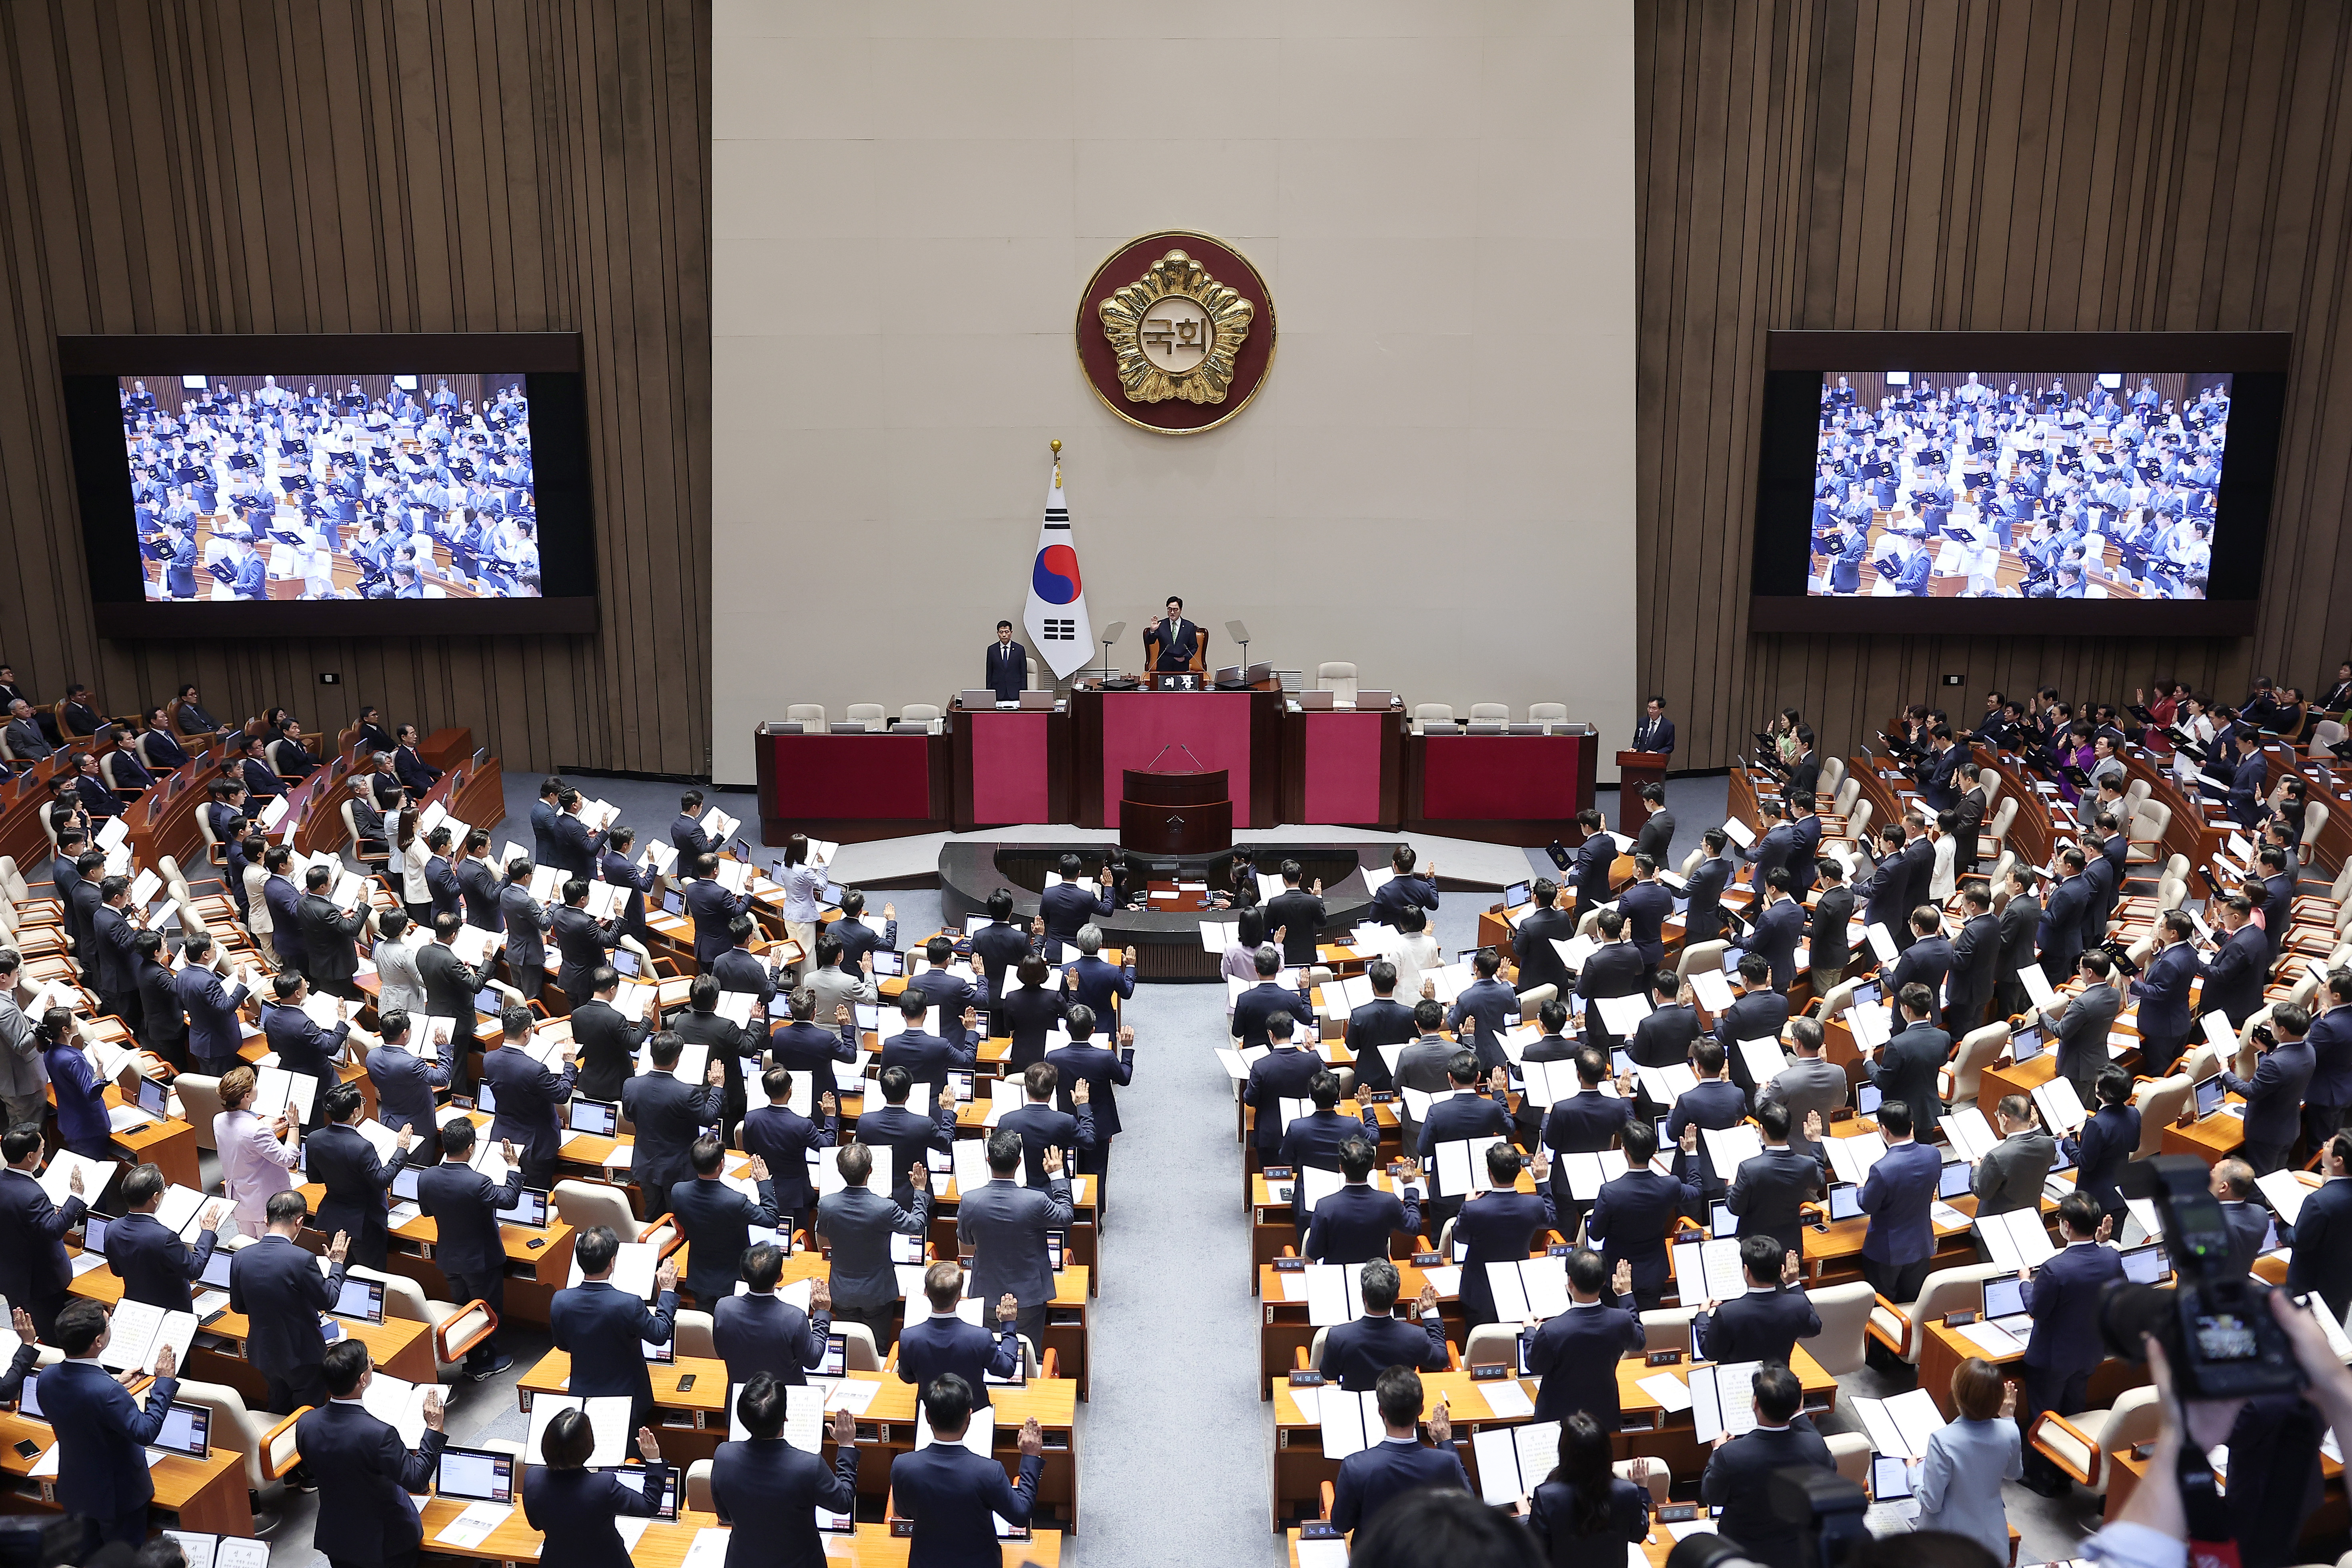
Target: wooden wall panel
{"type": "Point", "coordinates": [378, 166]}
{"type": "Point", "coordinates": [1974, 165]}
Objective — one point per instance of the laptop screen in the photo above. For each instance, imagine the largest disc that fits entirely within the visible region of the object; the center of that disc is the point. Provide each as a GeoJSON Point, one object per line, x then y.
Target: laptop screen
{"type": "Point", "coordinates": [187, 1429]}
{"type": "Point", "coordinates": [1890, 1478]}
{"type": "Point", "coordinates": [1517, 893]}
{"type": "Point", "coordinates": [599, 1116]}
{"type": "Point", "coordinates": [154, 1098]}
{"type": "Point", "coordinates": [1866, 995]}
{"type": "Point", "coordinates": [1953, 1182]}
{"type": "Point", "coordinates": [361, 1298]}
{"type": "Point", "coordinates": [2209, 1095]}
{"type": "Point", "coordinates": [906, 1250]}
{"type": "Point", "coordinates": [1845, 1201]}
{"type": "Point", "coordinates": [2145, 1265]}
{"type": "Point", "coordinates": [836, 1357]}
{"type": "Point", "coordinates": [531, 1208]}
{"type": "Point", "coordinates": [1057, 1242]}
{"type": "Point", "coordinates": [93, 1231]}
{"type": "Point", "coordinates": [662, 1354]}
{"type": "Point", "coordinates": [2004, 1298]}
{"type": "Point", "coordinates": [479, 1475]}
{"type": "Point", "coordinates": [488, 1001]}
{"type": "Point", "coordinates": [831, 895]}
{"type": "Point", "coordinates": [672, 904]}
{"type": "Point", "coordinates": [485, 1098]}
{"type": "Point", "coordinates": [1867, 1097]}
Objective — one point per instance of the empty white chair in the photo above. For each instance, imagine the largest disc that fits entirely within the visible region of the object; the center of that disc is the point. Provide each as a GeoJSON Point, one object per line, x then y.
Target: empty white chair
{"type": "Point", "coordinates": [1337, 678]}
{"type": "Point", "coordinates": [1490, 713]}
{"type": "Point", "coordinates": [1424, 714]}
{"type": "Point", "coordinates": [1842, 1347]}
{"type": "Point", "coordinates": [809, 716]}
{"type": "Point", "coordinates": [870, 714]}
{"type": "Point", "coordinates": [1547, 714]}
{"type": "Point", "coordinates": [924, 713]}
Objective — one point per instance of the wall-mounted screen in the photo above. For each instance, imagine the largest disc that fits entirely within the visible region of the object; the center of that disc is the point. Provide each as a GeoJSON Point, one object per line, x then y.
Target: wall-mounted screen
{"type": "Point", "coordinates": [292, 486]}
{"type": "Point", "coordinates": [1919, 484]}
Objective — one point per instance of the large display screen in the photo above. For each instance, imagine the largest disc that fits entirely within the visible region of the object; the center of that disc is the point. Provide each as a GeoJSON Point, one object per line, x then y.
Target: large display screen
{"type": "Point", "coordinates": [282, 486]}
{"type": "Point", "coordinates": [1916, 482]}
{"type": "Point", "coordinates": [2001, 484]}
{"type": "Point", "coordinates": [332, 487]}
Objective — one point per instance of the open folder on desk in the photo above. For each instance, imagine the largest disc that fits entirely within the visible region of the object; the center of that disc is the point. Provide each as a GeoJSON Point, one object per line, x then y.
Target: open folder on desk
{"type": "Point", "coordinates": [1460, 1169]}
{"type": "Point", "coordinates": [137, 1331]}
{"type": "Point", "coordinates": [1723, 1400]}
{"type": "Point", "coordinates": [1901, 1425]}
{"type": "Point", "coordinates": [1710, 989]}
{"type": "Point", "coordinates": [608, 1418]}
{"type": "Point", "coordinates": [1548, 1083]}
{"type": "Point", "coordinates": [1514, 1460]}
{"type": "Point", "coordinates": [635, 1265]}
{"type": "Point", "coordinates": [399, 1405]}
{"type": "Point", "coordinates": [1622, 1015]}
{"type": "Point", "coordinates": [1335, 1294]}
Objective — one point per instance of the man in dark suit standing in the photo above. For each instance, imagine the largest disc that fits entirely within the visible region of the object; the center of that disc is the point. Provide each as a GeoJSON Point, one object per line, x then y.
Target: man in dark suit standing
{"type": "Point", "coordinates": [1499, 1224]}
{"type": "Point", "coordinates": [1829, 949]}
{"type": "Point", "coordinates": [478, 880]}
{"type": "Point", "coordinates": [2083, 1023]}
{"type": "Point", "coordinates": [1295, 916]}
{"type": "Point", "coordinates": [215, 1033]}
{"type": "Point", "coordinates": [1001, 944]}
{"type": "Point", "coordinates": [300, 1044]}
{"type": "Point", "coordinates": [1577, 1353]}
{"type": "Point", "coordinates": [1354, 1224]}
{"type": "Point", "coordinates": [2250, 1222]}
{"type": "Point", "coordinates": [2021, 919]}
{"type": "Point", "coordinates": [1645, 905]}
{"type": "Point", "coordinates": [1355, 1353]}
{"type": "Point", "coordinates": [616, 867]}
{"type": "Point", "coordinates": [784, 1139]}
{"type": "Point", "coordinates": [365, 1473]}
{"type": "Point", "coordinates": [1716, 1102]}
{"type": "Point", "coordinates": [768, 1490]}
{"type": "Point", "coordinates": [856, 937]}
{"type": "Point", "coordinates": [1256, 1007]}
{"type": "Point", "coordinates": [276, 1287]}
{"type": "Point", "coordinates": [1540, 961]}
{"type": "Point", "coordinates": [2328, 1099]}
{"type": "Point", "coordinates": [573, 849]}
{"type": "Point", "coordinates": [529, 1096]}
{"type": "Point", "coordinates": [1775, 846]}
{"type": "Point", "coordinates": [859, 1224]}
{"type": "Point", "coordinates": [1758, 1013]}
{"type": "Point", "coordinates": [342, 1161]}
{"type": "Point", "coordinates": [1382, 1021]}
{"type": "Point", "coordinates": [1614, 968]}
{"type": "Point", "coordinates": [2321, 1258]}
{"type": "Point", "coordinates": [1906, 1066]}
{"type": "Point", "coordinates": [1008, 665]}
{"type": "Point", "coordinates": [1039, 1123]}
{"type": "Point", "coordinates": [450, 986]}
{"type": "Point", "coordinates": [1928, 960]}
{"type": "Point", "coordinates": [758, 1335]}
{"type": "Point", "coordinates": [907, 1135]}
{"type": "Point", "coordinates": [670, 1115]}
{"type": "Point", "coordinates": [1769, 1191]}
{"type": "Point", "coordinates": [543, 821]}
{"type": "Point", "coordinates": [685, 834]}
{"type": "Point", "coordinates": [1465, 1115]}
{"type": "Point", "coordinates": [1703, 914]}
{"type": "Point", "coordinates": [1584, 1122]}
{"type": "Point", "coordinates": [1765, 1323]}
{"type": "Point", "coordinates": [1655, 732]}
{"type": "Point", "coordinates": [526, 925]}
{"type": "Point", "coordinates": [1314, 1141]}
{"type": "Point", "coordinates": [464, 1205]}
{"type": "Point", "coordinates": [1900, 1245]}
{"type": "Point", "coordinates": [2060, 937]}
{"type": "Point", "coordinates": [1172, 640]}
{"type": "Point", "coordinates": [583, 943]}
{"type": "Point", "coordinates": [1657, 839]}
{"type": "Point", "coordinates": [929, 1057]}
{"type": "Point", "coordinates": [2275, 1095]}
{"type": "Point", "coordinates": [102, 1470]}
{"type": "Point", "coordinates": [1779, 925]}
{"type": "Point", "coordinates": [154, 1263]}
{"type": "Point", "coordinates": [606, 1042]}
{"type": "Point", "coordinates": [1971, 810]}
{"type": "Point", "coordinates": [1633, 1212]}
{"type": "Point", "coordinates": [1004, 1224]}
{"type": "Point", "coordinates": [2235, 974]}
{"type": "Point", "coordinates": [2066, 1346]}
{"type": "Point", "coordinates": [603, 1328]}
{"type": "Point", "coordinates": [1737, 1473]}
{"type": "Point", "coordinates": [1976, 955]}
{"type": "Point", "coordinates": [1596, 861]}
{"type": "Point", "coordinates": [805, 1046]}
{"type": "Point", "coordinates": [943, 1343]}
{"type": "Point", "coordinates": [716, 1220]}
{"type": "Point", "coordinates": [948, 1492]}
{"type": "Point", "coordinates": [1071, 903]}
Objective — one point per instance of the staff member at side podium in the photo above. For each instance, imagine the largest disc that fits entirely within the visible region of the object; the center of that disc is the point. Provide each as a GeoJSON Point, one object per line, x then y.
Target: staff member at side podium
{"type": "Point", "coordinates": [1008, 665]}
{"type": "Point", "coordinates": [1655, 733]}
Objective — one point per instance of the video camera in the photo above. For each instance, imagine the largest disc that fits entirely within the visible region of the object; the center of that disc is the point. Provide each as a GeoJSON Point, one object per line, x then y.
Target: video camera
{"type": "Point", "coordinates": [2215, 1326]}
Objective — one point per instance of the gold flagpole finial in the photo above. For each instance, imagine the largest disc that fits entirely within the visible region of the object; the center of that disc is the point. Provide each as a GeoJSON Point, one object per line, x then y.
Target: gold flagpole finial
{"type": "Point", "coordinates": [1056, 445]}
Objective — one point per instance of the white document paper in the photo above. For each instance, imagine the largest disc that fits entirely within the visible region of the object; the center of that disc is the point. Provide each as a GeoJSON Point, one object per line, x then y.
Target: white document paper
{"type": "Point", "coordinates": [1711, 990]}
{"type": "Point", "coordinates": [2285, 1193]}
{"type": "Point", "coordinates": [2061, 1108]}
{"type": "Point", "coordinates": [1971, 1135]}
{"type": "Point", "coordinates": [2037, 986]}
{"type": "Point", "coordinates": [1671, 1392]}
{"type": "Point", "coordinates": [472, 1527]}
{"type": "Point", "coordinates": [608, 1418]}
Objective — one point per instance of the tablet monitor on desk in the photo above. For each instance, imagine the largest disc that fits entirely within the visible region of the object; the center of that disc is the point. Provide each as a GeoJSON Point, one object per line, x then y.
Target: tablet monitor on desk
{"type": "Point", "coordinates": [887, 963]}
{"type": "Point", "coordinates": [836, 1363]}
{"type": "Point", "coordinates": [93, 1230]}
{"type": "Point", "coordinates": [1845, 1201]}
{"type": "Point", "coordinates": [485, 1000]}
{"type": "Point", "coordinates": [1865, 995]}
{"type": "Point", "coordinates": [662, 1354]}
{"type": "Point", "coordinates": [2003, 1297]}
{"type": "Point", "coordinates": [976, 699]}
{"type": "Point", "coordinates": [485, 1098]}
{"type": "Point", "coordinates": [1721, 1221]}
{"type": "Point", "coordinates": [1867, 1098]}
{"type": "Point", "coordinates": [404, 1190]}
{"type": "Point", "coordinates": [28, 1398]}
{"type": "Point", "coordinates": [601, 1117]}
{"type": "Point", "coordinates": [476, 1475]}
{"type": "Point", "coordinates": [1890, 1478]}
{"type": "Point", "coordinates": [2025, 1043]}
{"type": "Point", "coordinates": [1057, 1243]}
{"type": "Point", "coordinates": [2145, 1264]}
{"type": "Point", "coordinates": [673, 904]}
{"type": "Point", "coordinates": [2209, 1092]}
{"type": "Point", "coordinates": [530, 1209]}
{"type": "Point", "coordinates": [361, 1298]}
{"type": "Point", "coordinates": [625, 963]}
{"type": "Point", "coordinates": [155, 1098]}
{"type": "Point", "coordinates": [187, 1431]}
{"type": "Point", "coordinates": [906, 1250]}
{"type": "Point", "coordinates": [1953, 1182]}
{"type": "Point", "coordinates": [1517, 893]}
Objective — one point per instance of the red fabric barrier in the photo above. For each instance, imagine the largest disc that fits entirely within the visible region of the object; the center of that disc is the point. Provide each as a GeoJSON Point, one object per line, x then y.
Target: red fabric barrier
{"type": "Point", "coordinates": [1343, 766]}
{"type": "Point", "coordinates": [1501, 778]}
{"type": "Point", "coordinates": [1008, 766]}
{"type": "Point", "coordinates": [1198, 731]}
{"type": "Point", "coordinates": [820, 776]}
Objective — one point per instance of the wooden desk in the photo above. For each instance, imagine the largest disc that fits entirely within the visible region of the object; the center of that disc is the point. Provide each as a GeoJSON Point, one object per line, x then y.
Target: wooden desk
{"type": "Point", "coordinates": [170, 1145]}
{"type": "Point", "coordinates": [1942, 1350]}
{"type": "Point", "coordinates": [664, 1543]}
{"type": "Point", "coordinates": [207, 1494]}
{"type": "Point", "coordinates": [539, 1259]}
{"type": "Point", "coordinates": [2211, 1139]}
{"type": "Point", "coordinates": [1299, 1468]}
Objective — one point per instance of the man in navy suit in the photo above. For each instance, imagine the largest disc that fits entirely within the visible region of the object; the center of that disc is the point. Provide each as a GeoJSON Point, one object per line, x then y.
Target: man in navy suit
{"type": "Point", "coordinates": [34, 1272]}
{"type": "Point", "coordinates": [1646, 904]}
{"type": "Point", "coordinates": [1576, 1353]}
{"type": "Point", "coordinates": [215, 1031]}
{"type": "Point", "coordinates": [1465, 1115]}
{"type": "Point", "coordinates": [345, 1162]}
{"type": "Point", "coordinates": [929, 1057]}
{"type": "Point", "coordinates": [1314, 1140]}
{"type": "Point", "coordinates": [1928, 960]}
{"type": "Point", "coordinates": [543, 813]}
{"type": "Point", "coordinates": [858, 1225]}
{"type": "Point", "coordinates": [1900, 1244]}
{"type": "Point", "coordinates": [714, 910]}
{"type": "Point", "coordinates": [1484, 1003]}
{"type": "Point", "coordinates": [1371, 1477]}
{"type": "Point", "coordinates": [1099, 985]}
{"type": "Point", "coordinates": [757, 1334]}
{"type": "Point", "coordinates": [1885, 892]}
{"type": "Point", "coordinates": [805, 1046]}
{"type": "Point", "coordinates": [1703, 910]}
{"type": "Point", "coordinates": [1406, 888]}
{"type": "Point", "coordinates": [583, 943]}
{"type": "Point", "coordinates": [464, 1205]}
{"type": "Point", "coordinates": [1006, 1226]}
{"type": "Point", "coordinates": [1294, 916]}
{"type": "Point", "coordinates": [1976, 951]}
{"type": "Point", "coordinates": [1769, 1191]}
{"type": "Point", "coordinates": [2275, 1095]}
{"type": "Point", "coordinates": [526, 923]}
{"type": "Point", "coordinates": [1540, 961]}
{"type": "Point", "coordinates": [102, 1433]}
{"type": "Point", "coordinates": [285, 901]}
{"type": "Point", "coordinates": [1759, 1014]}
{"type": "Point", "coordinates": [949, 1491]}
{"type": "Point", "coordinates": [1775, 848]}
{"type": "Point", "coordinates": [303, 1047]}
{"type": "Point", "coordinates": [276, 1287]}
{"type": "Point", "coordinates": [1354, 1224]}
{"type": "Point", "coordinates": [1070, 903]}
{"type": "Point", "coordinates": [784, 1138]}
{"type": "Point", "coordinates": [1633, 1212]}
{"type": "Point", "coordinates": [1041, 1125]}
{"type": "Point", "coordinates": [1256, 1006]}
{"type": "Point", "coordinates": [366, 1474]}
{"type": "Point", "coordinates": [1008, 665]}
{"type": "Point", "coordinates": [571, 846]}
{"type": "Point", "coordinates": [890, 1125]}
{"type": "Point", "coordinates": [1172, 639]}
{"type": "Point", "coordinates": [1737, 1473]}
{"type": "Point", "coordinates": [943, 1343]}
{"type": "Point", "coordinates": [1715, 1101]}
{"type": "Point", "coordinates": [1655, 733]}
{"type": "Point", "coordinates": [1001, 944]}
{"type": "Point", "coordinates": [685, 834]}
{"type": "Point", "coordinates": [2249, 778]}
{"type": "Point", "coordinates": [2081, 1027]}
{"type": "Point", "coordinates": [1382, 1021]}
{"type": "Point", "coordinates": [1904, 1066]}
{"type": "Point", "coordinates": [2059, 936]}
{"type": "Point", "coordinates": [2234, 976]}
{"type": "Point", "coordinates": [1613, 969]}
{"type": "Point", "coordinates": [716, 1220]}
{"type": "Point", "coordinates": [768, 1491]}
{"type": "Point", "coordinates": [1765, 1323]}
{"type": "Point", "coordinates": [2065, 1346]}
{"type": "Point", "coordinates": [261, 781]}
{"type": "Point", "coordinates": [529, 1098]}
{"type": "Point", "coordinates": [603, 1328]}
{"type": "Point", "coordinates": [1582, 1123]}
{"type": "Point", "coordinates": [1779, 927]}
{"type": "Point", "coordinates": [1285, 1072]}
{"type": "Point", "coordinates": [1596, 860]}
{"type": "Point", "coordinates": [408, 764]}
{"type": "Point", "coordinates": [1499, 1224]}
{"type": "Point", "coordinates": [405, 1082]}
{"type": "Point", "coordinates": [154, 1263]}
{"type": "Point", "coordinates": [2322, 1255]}
{"type": "Point", "coordinates": [668, 1115]}
{"type": "Point", "coordinates": [1355, 1353]}
{"type": "Point", "coordinates": [614, 865]}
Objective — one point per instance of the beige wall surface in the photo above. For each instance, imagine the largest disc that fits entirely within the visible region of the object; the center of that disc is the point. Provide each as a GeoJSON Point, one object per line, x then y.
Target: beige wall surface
{"type": "Point", "coordinates": [1437, 479]}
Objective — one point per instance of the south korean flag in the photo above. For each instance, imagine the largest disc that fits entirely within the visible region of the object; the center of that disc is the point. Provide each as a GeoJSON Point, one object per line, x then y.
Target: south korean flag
{"type": "Point", "coordinates": [1059, 630]}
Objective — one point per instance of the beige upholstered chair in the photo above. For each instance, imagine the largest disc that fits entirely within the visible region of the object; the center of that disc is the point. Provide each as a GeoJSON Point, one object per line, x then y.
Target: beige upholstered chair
{"type": "Point", "coordinates": [1490, 713]}
{"type": "Point", "coordinates": [1669, 1328]}
{"type": "Point", "coordinates": [924, 713]}
{"type": "Point", "coordinates": [809, 716]}
{"type": "Point", "coordinates": [2160, 1102]}
{"type": "Point", "coordinates": [1978, 1048]}
{"type": "Point", "coordinates": [1900, 1327]}
{"type": "Point", "coordinates": [873, 715]}
{"type": "Point", "coordinates": [2080, 1445]}
{"type": "Point", "coordinates": [1337, 677]}
{"type": "Point", "coordinates": [1843, 1345]}
{"type": "Point", "coordinates": [1548, 713]}
{"type": "Point", "coordinates": [200, 1099]}
{"type": "Point", "coordinates": [693, 1331]}
{"type": "Point", "coordinates": [1424, 714]}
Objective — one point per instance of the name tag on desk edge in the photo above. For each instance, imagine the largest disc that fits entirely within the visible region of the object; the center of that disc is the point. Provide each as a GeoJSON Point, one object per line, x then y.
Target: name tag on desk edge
{"type": "Point", "coordinates": [1306, 1380]}
{"type": "Point", "coordinates": [1277, 1173]}
{"type": "Point", "coordinates": [1428, 1260]}
{"type": "Point", "coordinates": [1290, 1266]}
{"type": "Point", "coordinates": [1559, 1249]}
{"type": "Point", "coordinates": [1663, 1357]}
{"type": "Point", "coordinates": [902, 1527]}
{"type": "Point", "coordinates": [1490, 1374]}
{"type": "Point", "coordinates": [1318, 1529]}
{"type": "Point", "coordinates": [1377, 1097]}
{"type": "Point", "coordinates": [1958, 1319]}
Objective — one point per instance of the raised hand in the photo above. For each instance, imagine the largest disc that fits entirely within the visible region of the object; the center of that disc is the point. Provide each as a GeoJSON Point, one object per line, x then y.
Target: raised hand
{"type": "Point", "coordinates": [1008, 1308]}
{"type": "Point", "coordinates": [1033, 1436]}
{"type": "Point", "coordinates": [825, 1104]}
{"type": "Point", "coordinates": [1428, 1301]}
{"type": "Point", "coordinates": [758, 1169]}
{"type": "Point", "coordinates": [407, 1138]}
{"type": "Point", "coordinates": [820, 1296]}
{"type": "Point", "coordinates": [1622, 1281]}
{"type": "Point", "coordinates": [844, 1429]}
{"type": "Point", "coordinates": [22, 1321]}
{"type": "Point", "coordinates": [506, 1148]}
{"type": "Point", "coordinates": [341, 1247]}
{"type": "Point", "coordinates": [1079, 1095]}
{"type": "Point", "coordinates": [167, 1362]}
{"type": "Point", "coordinates": [1052, 1160]}
{"type": "Point", "coordinates": [1541, 1169]}
{"type": "Point", "coordinates": [1429, 989]}
{"type": "Point", "coordinates": [1440, 1421]}
{"type": "Point", "coordinates": [1814, 1126]}
{"type": "Point", "coordinates": [919, 1176]}
{"type": "Point", "coordinates": [665, 1277]}
{"type": "Point", "coordinates": [1638, 1472]}
{"type": "Point", "coordinates": [1036, 927]}
{"type": "Point", "coordinates": [648, 1446]}
{"type": "Point", "coordinates": [841, 1014]}
{"type": "Point", "coordinates": [889, 912]}
{"type": "Point", "coordinates": [717, 1075]}
{"type": "Point", "coordinates": [73, 1182]}
{"type": "Point", "coordinates": [1690, 1138]}
{"type": "Point", "coordinates": [970, 1019]}
{"type": "Point", "coordinates": [1126, 1032]}
{"type": "Point", "coordinates": [1790, 1268]}
{"type": "Point", "coordinates": [433, 1410]}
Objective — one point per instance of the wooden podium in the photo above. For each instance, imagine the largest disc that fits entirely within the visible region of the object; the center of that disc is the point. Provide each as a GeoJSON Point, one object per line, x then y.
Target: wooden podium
{"type": "Point", "coordinates": [1635, 769]}
{"type": "Point", "coordinates": [1175, 814]}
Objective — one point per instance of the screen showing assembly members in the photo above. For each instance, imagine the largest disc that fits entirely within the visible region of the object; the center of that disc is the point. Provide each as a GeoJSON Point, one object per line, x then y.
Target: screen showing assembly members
{"type": "Point", "coordinates": [2014, 485]}
{"type": "Point", "coordinates": [325, 486]}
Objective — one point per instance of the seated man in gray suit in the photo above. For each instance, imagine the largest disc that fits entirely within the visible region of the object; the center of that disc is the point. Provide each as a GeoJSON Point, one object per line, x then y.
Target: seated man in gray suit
{"type": "Point", "coordinates": [1004, 1224]}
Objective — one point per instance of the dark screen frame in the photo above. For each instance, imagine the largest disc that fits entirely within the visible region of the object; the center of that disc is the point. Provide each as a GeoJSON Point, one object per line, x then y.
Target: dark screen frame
{"type": "Point", "coordinates": [553, 366]}
{"type": "Point", "coordinates": [1794, 363]}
